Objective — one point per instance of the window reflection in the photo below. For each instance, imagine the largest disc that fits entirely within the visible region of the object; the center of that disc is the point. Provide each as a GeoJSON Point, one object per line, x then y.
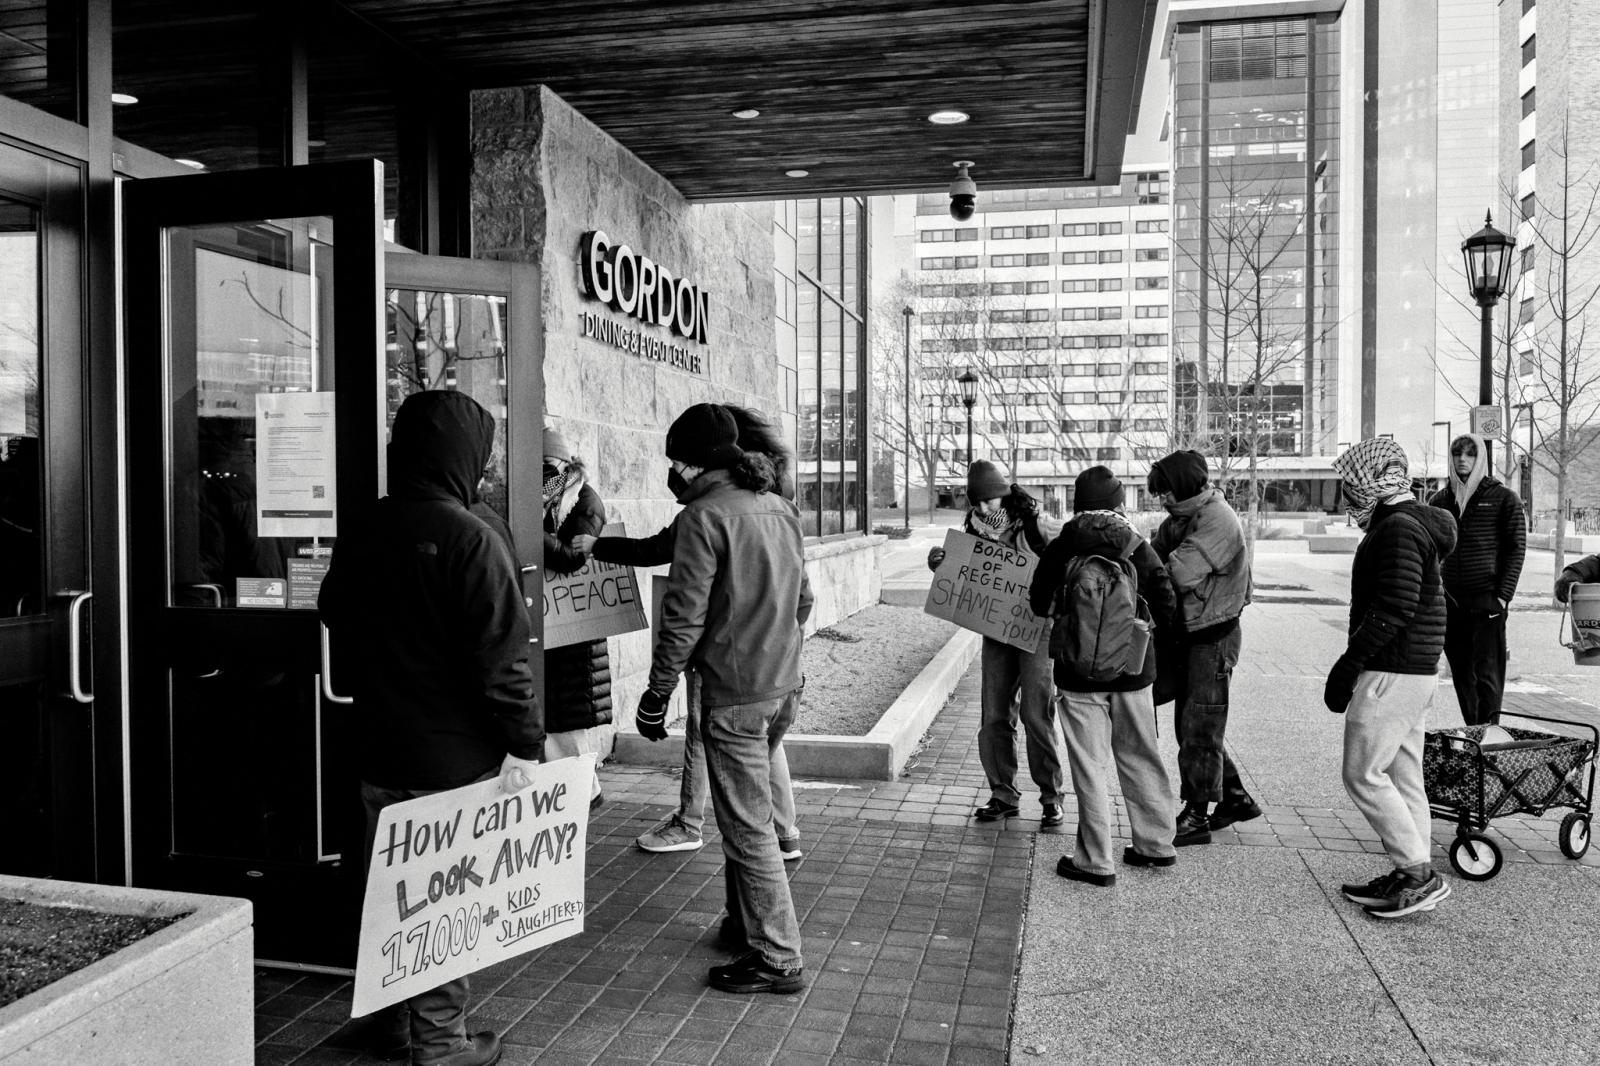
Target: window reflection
{"type": "Point", "coordinates": [21, 451]}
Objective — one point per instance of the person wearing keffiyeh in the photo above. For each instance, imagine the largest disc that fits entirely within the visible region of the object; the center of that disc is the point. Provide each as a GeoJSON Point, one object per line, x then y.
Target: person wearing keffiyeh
{"type": "Point", "coordinates": [1008, 515]}
{"type": "Point", "coordinates": [1385, 681]}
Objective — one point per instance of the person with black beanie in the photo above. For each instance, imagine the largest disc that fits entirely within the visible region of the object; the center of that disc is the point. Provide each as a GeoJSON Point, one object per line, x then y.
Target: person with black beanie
{"type": "Point", "coordinates": [735, 602]}
{"type": "Point", "coordinates": [1202, 544]}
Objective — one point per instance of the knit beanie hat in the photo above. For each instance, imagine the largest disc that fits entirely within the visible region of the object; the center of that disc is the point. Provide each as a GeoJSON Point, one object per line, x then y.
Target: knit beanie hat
{"type": "Point", "coordinates": [1097, 489]}
{"type": "Point", "coordinates": [555, 445]}
{"type": "Point", "coordinates": [984, 482]}
{"type": "Point", "coordinates": [705, 435]}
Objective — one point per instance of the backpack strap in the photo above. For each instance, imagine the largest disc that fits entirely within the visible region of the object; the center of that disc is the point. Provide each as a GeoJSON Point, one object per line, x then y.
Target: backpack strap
{"type": "Point", "coordinates": [1126, 554]}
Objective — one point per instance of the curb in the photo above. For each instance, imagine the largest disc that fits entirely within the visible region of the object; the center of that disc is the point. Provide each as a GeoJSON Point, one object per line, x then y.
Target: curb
{"type": "Point", "coordinates": [878, 756]}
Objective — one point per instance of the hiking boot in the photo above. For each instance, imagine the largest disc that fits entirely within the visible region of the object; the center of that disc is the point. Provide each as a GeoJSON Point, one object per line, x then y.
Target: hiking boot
{"type": "Point", "coordinates": [750, 973]}
{"type": "Point", "coordinates": [1066, 868]}
{"type": "Point", "coordinates": [995, 810]}
{"type": "Point", "coordinates": [1139, 858]}
{"type": "Point", "coordinates": [1193, 826]}
{"type": "Point", "coordinates": [385, 1034]}
{"type": "Point", "coordinates": [1412, 897]}
{"type": "Point", "coordinates": [1237, 807]}
{"type": "Point", "coordinates": [1052, 817]}
{"type": "Point", "coordinates": [1376, 891]}
{"type": "Point", "coordinates": [670, 835]}
{"type": "Point", "coordinates": [483, 1049]}
{"type": "Point", "coordinates": [790, 849]}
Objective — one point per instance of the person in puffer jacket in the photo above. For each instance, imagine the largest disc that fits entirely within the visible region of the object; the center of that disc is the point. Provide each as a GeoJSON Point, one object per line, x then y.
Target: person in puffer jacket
{"type": "Point", "coordinates": [1480, 577]}
{"type": "Point", "coordinates": [1202, 544]}
{"type": "Point", "coordinates": [1385, 681]}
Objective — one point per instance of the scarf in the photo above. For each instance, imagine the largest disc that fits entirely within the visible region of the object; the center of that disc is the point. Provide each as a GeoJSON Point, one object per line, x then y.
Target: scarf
{"type": "Point", "coordinates": [1374, 471]}
{"type": "Point", "coordinates": [996, 525]}
{"type": "Point", "coordinates": [1463, 490]}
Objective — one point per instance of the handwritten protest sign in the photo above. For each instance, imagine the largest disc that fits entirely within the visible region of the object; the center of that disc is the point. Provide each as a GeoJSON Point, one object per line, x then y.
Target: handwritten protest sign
{"type": "Point", "coordinates": [601, 600]}
{"type": "Point", "coordinates": [463, 879]}
{"type": "Point", "coordinates": [983, 586]}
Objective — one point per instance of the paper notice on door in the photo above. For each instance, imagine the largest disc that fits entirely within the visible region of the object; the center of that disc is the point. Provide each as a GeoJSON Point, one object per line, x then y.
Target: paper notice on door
{"type": "Point", "coordinates": [295, 464]}
{"type": "Point", "coordinates": [260, 591]}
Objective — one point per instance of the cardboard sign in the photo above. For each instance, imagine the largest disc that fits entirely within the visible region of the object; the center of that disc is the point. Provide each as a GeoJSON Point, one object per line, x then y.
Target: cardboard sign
{"type": "Point", "coordinates": [601, 600]}
{"type": "Point", "coordinates": [464, 879]}
{"type": "Point", "coordinates": [983, 586]}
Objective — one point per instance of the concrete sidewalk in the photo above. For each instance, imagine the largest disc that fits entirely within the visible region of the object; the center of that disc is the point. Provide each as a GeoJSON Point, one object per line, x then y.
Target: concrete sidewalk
{"type": "Point", "coordinates": [931, 939]}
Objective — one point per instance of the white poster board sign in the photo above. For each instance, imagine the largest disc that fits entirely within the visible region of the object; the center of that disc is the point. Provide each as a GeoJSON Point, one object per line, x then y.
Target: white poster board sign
{"type": "Point", "coordinates": [467, 878]}
{"type": "Point", "coordinates": [600, 600]}
{"type": "Point", "coordinates": [983, 586]}
{"type": "Point", "coordinates": [295, 494]}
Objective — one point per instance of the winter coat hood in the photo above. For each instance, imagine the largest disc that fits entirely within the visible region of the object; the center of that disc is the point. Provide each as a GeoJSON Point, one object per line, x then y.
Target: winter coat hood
{"type": "Point", "coordinates": [1184, 472]}
{"type": "Point", "coordinates": [1439, 524]}
{"type": "Point", "coordinates": [1464, 487]}
{"type": "Point", "coordinates": [1097, 533]}
{"type": "Point", "coordinates": [439, 447]}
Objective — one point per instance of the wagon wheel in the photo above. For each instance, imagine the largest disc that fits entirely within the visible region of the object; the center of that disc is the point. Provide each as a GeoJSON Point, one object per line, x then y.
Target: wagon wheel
{"type": "Point", "coordinates": [1574, 835]}
{"type": "Point", "coordinates": [1475, 857]}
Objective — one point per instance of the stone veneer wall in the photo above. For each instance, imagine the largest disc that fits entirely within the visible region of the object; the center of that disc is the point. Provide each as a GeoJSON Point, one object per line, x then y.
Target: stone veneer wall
{"type": "Point", "coordinates": [542, 176]}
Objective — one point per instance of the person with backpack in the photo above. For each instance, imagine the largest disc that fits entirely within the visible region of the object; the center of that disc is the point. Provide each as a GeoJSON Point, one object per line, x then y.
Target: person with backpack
{"type": "Point", "coordinates": [1385, 681]}
{"type": "Point", "coordinates": [1107, 595]}
{"type": "Point", "coordinates": [1202, 544]}
{"type": "Point", "coordinates": [1012, 677]}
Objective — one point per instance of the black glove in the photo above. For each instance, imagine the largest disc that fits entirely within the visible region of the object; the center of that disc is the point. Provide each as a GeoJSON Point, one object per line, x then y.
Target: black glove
{"type": "Point", "coordinates": [652, 717]}
{"type": "Point", "coordinates": [1341, 685]}
{"type": "Point", "coordinates": [1019, 504]}
{"type": "Point", "coordinates": [1564, 585]}
{"type": "Point", "coordinates": [935, 558]}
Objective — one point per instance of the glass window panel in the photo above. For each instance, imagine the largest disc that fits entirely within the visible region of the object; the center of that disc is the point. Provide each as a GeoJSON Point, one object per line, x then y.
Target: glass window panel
{"type": "Point", "coordinates": [805, 235]}
{"type": "Point", "coordinates": [808, 414]}
{"type": "Point", "coordinates": [832, 420]}
{"type": "Point", "coordinates": [850, 473]}
{"type": "Point", "coordinates": [22, 514]}
{"type": "Point", "coordinates": [849, 281]}
{"type": "Point", "coordinates": [832, 245]}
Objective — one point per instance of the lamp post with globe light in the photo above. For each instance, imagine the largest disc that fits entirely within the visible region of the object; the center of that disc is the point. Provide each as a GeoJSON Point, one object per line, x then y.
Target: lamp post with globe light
{"type": "Point", "coordinates": [969, 396]}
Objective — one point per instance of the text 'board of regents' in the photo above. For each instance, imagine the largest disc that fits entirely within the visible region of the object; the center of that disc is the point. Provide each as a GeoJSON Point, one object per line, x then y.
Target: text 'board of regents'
{"type": "Point", "coordinates": [467, 878]}
{"type": "Point", "coordinates": [983, 586]}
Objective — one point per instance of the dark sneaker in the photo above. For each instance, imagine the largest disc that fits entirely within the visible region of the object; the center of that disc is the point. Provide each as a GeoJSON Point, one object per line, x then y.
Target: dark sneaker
{"type": "Point", "coordinates": [1193, 826]}
{"type": "Point", "coordinates": [1053, 816]}
{"type": "Point", "coordinates": [1240, 808]}
{"type": "Point", "coordinates": [1065, 868]}
{"type": "Point", "coordinates": [384, 1034]}
{"type": "Point", "coordinates": [1139, 858]}
{"type": "Point", "coordinates": [790, 849]}
{"type": "Point", "coordinates": [1376, 891]}
{"type": "Point", "coordinates": [483, 1049]}
{"type": "Point", "coordinates": [994, 810]}
{"type": "Point", "coordinates": [750, 974]}
{"type": "Point", "coordinates": [1412, 898]}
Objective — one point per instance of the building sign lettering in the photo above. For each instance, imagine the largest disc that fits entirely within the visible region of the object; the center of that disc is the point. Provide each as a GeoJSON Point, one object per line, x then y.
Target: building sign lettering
{"type": "Point", "coordinates": [641, 288]}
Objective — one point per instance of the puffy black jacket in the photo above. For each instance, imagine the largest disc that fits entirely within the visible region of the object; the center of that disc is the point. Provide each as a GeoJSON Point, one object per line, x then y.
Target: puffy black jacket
{"type": "Point", "coordinates": [577, 677]}
{"type": "Point", "coordinates": [1491, 540]}
{"type": "Point", "coordinates": [1397, 615]}
{"type": "Point", "coordinates": [1101, 534]}
{"type": "Point", "coordinates": [426, 609]}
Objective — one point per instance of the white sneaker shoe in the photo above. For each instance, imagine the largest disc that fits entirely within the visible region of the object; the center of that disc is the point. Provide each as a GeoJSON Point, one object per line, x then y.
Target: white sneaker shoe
{"type": "Point", "coordinates": [670, 835]}
{"type": "Point", "coordinates": [790, 849]}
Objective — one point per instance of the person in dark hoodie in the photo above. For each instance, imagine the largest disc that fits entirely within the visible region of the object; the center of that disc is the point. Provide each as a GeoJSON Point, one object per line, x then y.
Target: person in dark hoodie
{"type": "Point", "coordinates": [1013, 679]}
{"type": "Point", "coordinates": [1385, 681]}
{"type": "Point", "coordinates": [1116, 719]}
{"type": "Point", "coordinates": [577, 677]}
{"type": "Point", "coordinates": [735, 603]}
{"type": "Point", "coordinates": [426, 606]}
{"type": "Point", "coordinates": [1480, 577]}
{"type": "Point", "coordinates": [1202, 544]}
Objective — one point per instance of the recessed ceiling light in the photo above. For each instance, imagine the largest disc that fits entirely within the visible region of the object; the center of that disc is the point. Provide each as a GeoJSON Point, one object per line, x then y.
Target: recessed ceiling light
{"type": "Point", "coordinates": [748, 112]}
{"type": "Point", "coordinates": [797, 173]}
{"type": "Point", "coordinates": [316, 142]}
{"type": "Point", "coordinates": [950, 117]}
{"type": "Point", "coordinates": [124, 98]}
{"type": "Point", "coordinates": [192, 163]}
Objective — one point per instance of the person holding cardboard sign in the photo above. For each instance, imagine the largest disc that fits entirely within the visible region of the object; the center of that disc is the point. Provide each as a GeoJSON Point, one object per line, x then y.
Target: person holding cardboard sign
{"type": "Point", "coordinates": [426, 608]}
{"type": "Point", "coordinates": [1013, 679]}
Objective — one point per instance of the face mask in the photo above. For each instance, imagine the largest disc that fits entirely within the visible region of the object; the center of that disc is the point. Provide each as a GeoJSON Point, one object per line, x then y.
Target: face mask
{"type": "Point", "coordinates": [677, 484]}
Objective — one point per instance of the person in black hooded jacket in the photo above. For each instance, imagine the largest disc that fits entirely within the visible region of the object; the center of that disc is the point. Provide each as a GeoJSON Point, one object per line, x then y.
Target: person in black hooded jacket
{"type": "Point", "coordinates": [426, 608]}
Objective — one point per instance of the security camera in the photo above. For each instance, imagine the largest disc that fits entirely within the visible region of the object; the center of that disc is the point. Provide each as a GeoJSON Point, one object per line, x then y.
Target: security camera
{"type": "Point", "coordinates": [963, 192]}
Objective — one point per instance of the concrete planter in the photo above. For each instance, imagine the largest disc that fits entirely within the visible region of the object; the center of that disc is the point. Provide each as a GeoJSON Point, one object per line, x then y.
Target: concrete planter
{"type": "Point", "coordinates": [182, 995]}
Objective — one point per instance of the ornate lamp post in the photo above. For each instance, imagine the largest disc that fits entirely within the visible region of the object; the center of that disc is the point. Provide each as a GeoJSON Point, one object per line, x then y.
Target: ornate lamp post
{"type": "Point", "coordinates": [969, 396]}
{"type": "Point", "coordinates": [1487, 257]}
{"type": "Point", "coordinates": [908, 312]}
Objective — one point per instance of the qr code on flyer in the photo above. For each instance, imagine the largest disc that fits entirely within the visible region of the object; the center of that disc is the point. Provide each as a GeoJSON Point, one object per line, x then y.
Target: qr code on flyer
{"type": "Point", "coordinates": [318, 492]}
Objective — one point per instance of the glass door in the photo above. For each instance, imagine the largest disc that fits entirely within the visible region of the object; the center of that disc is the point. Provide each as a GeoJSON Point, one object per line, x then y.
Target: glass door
{"type": "Point", "coordinates": [46, 691]}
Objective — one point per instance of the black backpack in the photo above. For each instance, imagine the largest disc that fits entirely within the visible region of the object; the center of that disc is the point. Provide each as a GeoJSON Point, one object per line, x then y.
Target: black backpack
{"type": "Point", "coordinates": [1101, 625]}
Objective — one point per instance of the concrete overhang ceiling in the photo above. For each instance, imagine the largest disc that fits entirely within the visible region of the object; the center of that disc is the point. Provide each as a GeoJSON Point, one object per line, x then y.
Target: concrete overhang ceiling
{"type": "Point", "coordinates": [844, 87]}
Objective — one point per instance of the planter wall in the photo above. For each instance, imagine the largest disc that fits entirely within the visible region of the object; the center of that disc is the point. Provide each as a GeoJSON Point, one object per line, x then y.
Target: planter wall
{"type": "Point", "coordinates": [182, 995]}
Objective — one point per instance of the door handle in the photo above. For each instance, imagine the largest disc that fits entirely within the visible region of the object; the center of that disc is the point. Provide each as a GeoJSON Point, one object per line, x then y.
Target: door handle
{"type": "Point", "coordinates": [326, 678]}
{"type": "Point", "coordinates": [214, 591]}
{"type": "Point", "coordinates": [75, 647]}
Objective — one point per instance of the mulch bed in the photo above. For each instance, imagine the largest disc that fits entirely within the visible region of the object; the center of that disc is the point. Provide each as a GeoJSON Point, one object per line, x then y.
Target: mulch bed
{"type": "Point", "coordinates": [40, 944]}
{"type": "Point", "coordinates": [857, 667]}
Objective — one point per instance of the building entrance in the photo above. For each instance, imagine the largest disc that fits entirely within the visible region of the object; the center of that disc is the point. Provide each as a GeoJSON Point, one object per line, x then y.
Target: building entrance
{"type": "Point", "coordinates": [270, 343]}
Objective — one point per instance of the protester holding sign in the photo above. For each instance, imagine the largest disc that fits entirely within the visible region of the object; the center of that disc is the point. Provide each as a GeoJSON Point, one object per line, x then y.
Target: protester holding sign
{"type": "Point", "coordinates": [432, 635]}
{"type": "Point", "coordinates": [577, 677]}
{"type": "Point", "coordinates": [681, 830]}
{"type": "Point", "coordinates": [1005, 514]}
{"type": "Point", "coordinates": [735, 601]}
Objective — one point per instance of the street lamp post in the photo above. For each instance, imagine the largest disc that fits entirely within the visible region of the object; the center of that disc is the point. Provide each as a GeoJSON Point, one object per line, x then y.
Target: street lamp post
{"type": "Point", "coordinates": [908, 312]}
{"type": "Point", "coordinates": [1487, 257]}
{"type": "Point", "coordinates": [969, 396]}
{"type": "Point", "coordinates": [1527, 467]}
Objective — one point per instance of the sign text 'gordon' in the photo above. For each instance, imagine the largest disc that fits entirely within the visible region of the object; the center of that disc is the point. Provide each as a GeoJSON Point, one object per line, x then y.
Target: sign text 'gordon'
{"type": "Point", "coordinates": [636, 285]}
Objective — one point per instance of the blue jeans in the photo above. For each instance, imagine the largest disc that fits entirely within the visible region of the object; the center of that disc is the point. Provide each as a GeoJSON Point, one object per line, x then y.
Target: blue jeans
{"type": "Point", "coordinates": [439, 1015]}
{"type": "Point", "coordinates": [692, 793]}
{"type": "Point", "coordinates": [1201, 712]}
{"type": "Point", "coordinates": [1014, 679]}
{"type": "Point", "coordinates": [740, 743]}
